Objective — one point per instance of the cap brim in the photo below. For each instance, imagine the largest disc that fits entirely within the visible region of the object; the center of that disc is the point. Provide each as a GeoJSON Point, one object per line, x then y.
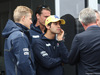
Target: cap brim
{"type": "Point", "coordinates": [62, 21]}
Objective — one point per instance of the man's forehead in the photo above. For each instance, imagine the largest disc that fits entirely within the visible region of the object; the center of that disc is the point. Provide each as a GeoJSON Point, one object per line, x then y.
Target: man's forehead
{"type": "Point", "coordinates": [45, 11]}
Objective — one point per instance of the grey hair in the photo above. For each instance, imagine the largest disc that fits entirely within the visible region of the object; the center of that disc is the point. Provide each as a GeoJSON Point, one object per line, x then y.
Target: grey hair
{"type": "Point", "coordinates": [87, 16]}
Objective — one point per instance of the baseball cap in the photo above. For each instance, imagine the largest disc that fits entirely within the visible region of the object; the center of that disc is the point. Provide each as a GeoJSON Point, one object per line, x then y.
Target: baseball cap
{"type": "Point", "coordinates": [54, 18]}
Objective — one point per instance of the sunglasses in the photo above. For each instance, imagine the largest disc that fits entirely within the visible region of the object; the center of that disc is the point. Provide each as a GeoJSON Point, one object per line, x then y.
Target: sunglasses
{"type": "Point", "coordinates": [40, 8]}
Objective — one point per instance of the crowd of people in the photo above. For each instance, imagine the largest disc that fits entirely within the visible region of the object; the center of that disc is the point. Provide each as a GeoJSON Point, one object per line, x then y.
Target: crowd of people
{"type": "Point", "coordinates": [37, 47]}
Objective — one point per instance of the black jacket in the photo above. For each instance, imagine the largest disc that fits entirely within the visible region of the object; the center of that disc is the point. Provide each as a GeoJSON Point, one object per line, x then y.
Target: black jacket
{"type": "Point", "coordinates": [49, 55]}
{"type": "Point", "coordinates": [85, 51]}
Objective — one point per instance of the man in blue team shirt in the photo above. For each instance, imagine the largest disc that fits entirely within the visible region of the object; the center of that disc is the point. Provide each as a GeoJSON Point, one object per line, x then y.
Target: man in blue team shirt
{"type": "Point", "coordinates": [50, 52]}
{"type": "Point", "coordinates": [18, 54]}
{"type": "Point", "coordinates": [38, 27]}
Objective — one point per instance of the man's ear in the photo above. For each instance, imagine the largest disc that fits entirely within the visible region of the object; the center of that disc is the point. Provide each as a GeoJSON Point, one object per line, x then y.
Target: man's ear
{"type": "Point", "coordinates": [97, 21]}
{"type": "Point", "coordinates": [82, 24]}
{"type": "Point", "coordinates": [48, 27]}
{"type": "Point", "coordinates": [37, 15]}
{"type": "Point", "coordinates": [23, 18]}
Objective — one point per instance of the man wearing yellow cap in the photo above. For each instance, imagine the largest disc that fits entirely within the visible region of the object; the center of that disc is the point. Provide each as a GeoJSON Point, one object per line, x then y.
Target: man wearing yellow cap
{"type": "Point", "coordinates": [50, 52]}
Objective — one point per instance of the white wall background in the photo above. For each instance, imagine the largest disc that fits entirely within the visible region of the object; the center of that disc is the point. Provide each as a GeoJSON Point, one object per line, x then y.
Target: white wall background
{"type": "Point", "coordinates": [72, 7]}
{"type": "Point", "coordinates": [93, 4]}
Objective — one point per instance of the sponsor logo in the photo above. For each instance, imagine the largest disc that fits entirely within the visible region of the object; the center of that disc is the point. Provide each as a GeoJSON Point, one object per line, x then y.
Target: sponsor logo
{"type": "Point", "coordinates": [35, 36]}
{"type": "Point", "coordinates": [26, 53]}
{"type": "Point", "coordinates": [44, 53]}
{"type": "Point", "coordinates": [48, 44]}
{"type": "Point", "coordinates": [57, 44]}
{"type": "Point", "coordinates": [25, 49]}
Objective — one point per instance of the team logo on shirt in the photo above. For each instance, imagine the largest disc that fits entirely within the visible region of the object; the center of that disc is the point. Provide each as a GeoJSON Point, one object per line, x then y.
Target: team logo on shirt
{"type": "Point", "coordinates": [57, 44]}
{"type": "Point", "coordinates": [44, 53]}
{"type": "Point", "coordinates": [35, 36]}
{"type": "Point", "coordinates": [26, 51]}
{"type": "Point", "coordinates": [48, 44]}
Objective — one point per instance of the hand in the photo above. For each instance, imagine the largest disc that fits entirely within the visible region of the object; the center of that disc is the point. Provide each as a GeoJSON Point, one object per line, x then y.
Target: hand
{"type": "Point", "coordinates": [60, 35]}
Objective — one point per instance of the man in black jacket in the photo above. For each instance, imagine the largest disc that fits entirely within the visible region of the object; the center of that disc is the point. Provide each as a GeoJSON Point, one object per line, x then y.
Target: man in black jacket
{"type": "Point", "coordinates": [85, 50]}
{"type": "Point", "coordinates": [50, 52]}
{"type": "Point", "coordinates": [38, 26]}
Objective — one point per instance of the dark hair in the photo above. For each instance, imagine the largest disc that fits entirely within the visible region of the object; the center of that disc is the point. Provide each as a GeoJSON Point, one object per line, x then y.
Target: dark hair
{"type": "Point", "coordinates": [46, 28]}
{"type": "Point", "coordinates": [40, 8]}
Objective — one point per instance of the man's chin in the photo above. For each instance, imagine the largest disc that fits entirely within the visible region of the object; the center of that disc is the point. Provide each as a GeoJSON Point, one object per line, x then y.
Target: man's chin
{"type": "Point", "coordinates": [57, 32]}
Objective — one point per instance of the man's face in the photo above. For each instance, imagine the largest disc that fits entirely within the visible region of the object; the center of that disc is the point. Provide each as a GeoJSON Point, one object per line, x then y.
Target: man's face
{"type": "Point", "coordinates": [28, 20]}
{"type": "Point", "coordinates": [98, 19]}
{"type": "Point", "coordinates": [42, 17]}
{"type": "Point", "coordinates": [55, 27]}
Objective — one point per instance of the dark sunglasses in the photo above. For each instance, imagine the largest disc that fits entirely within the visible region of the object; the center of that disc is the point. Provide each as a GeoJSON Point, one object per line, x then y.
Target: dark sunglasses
{"type": "Point", "coordinates": [40, 8]}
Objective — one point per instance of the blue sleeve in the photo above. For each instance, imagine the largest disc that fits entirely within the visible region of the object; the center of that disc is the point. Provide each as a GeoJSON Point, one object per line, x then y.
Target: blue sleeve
{"type": "Point", "coordinates": [43, 58]}
{"type": "Point", "coordinates": [63, 51]}
{"type": "Point", "coordinates": [73, 56]}
{"type": "Point", "coordinates": [21, 52]}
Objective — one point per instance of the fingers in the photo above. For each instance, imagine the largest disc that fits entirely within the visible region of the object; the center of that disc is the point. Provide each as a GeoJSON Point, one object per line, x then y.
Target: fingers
{"type": "Point", "coordinates": [62, 31]}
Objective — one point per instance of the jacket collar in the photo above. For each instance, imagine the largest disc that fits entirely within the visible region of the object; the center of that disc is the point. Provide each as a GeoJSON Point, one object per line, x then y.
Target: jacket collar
{"type": "Point", "coordinates": [33, 27]}
{"type": "Point", "coordinates": [23, 28]}
{"type": "Point", "coordinates": [92, 27]}
{"type": "Point", "coordinates": [44, 38]}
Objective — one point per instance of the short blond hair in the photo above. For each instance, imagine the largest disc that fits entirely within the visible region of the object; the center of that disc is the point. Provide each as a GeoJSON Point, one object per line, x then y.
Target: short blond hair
{"type": "Point", "coordinates": [21, 11]}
